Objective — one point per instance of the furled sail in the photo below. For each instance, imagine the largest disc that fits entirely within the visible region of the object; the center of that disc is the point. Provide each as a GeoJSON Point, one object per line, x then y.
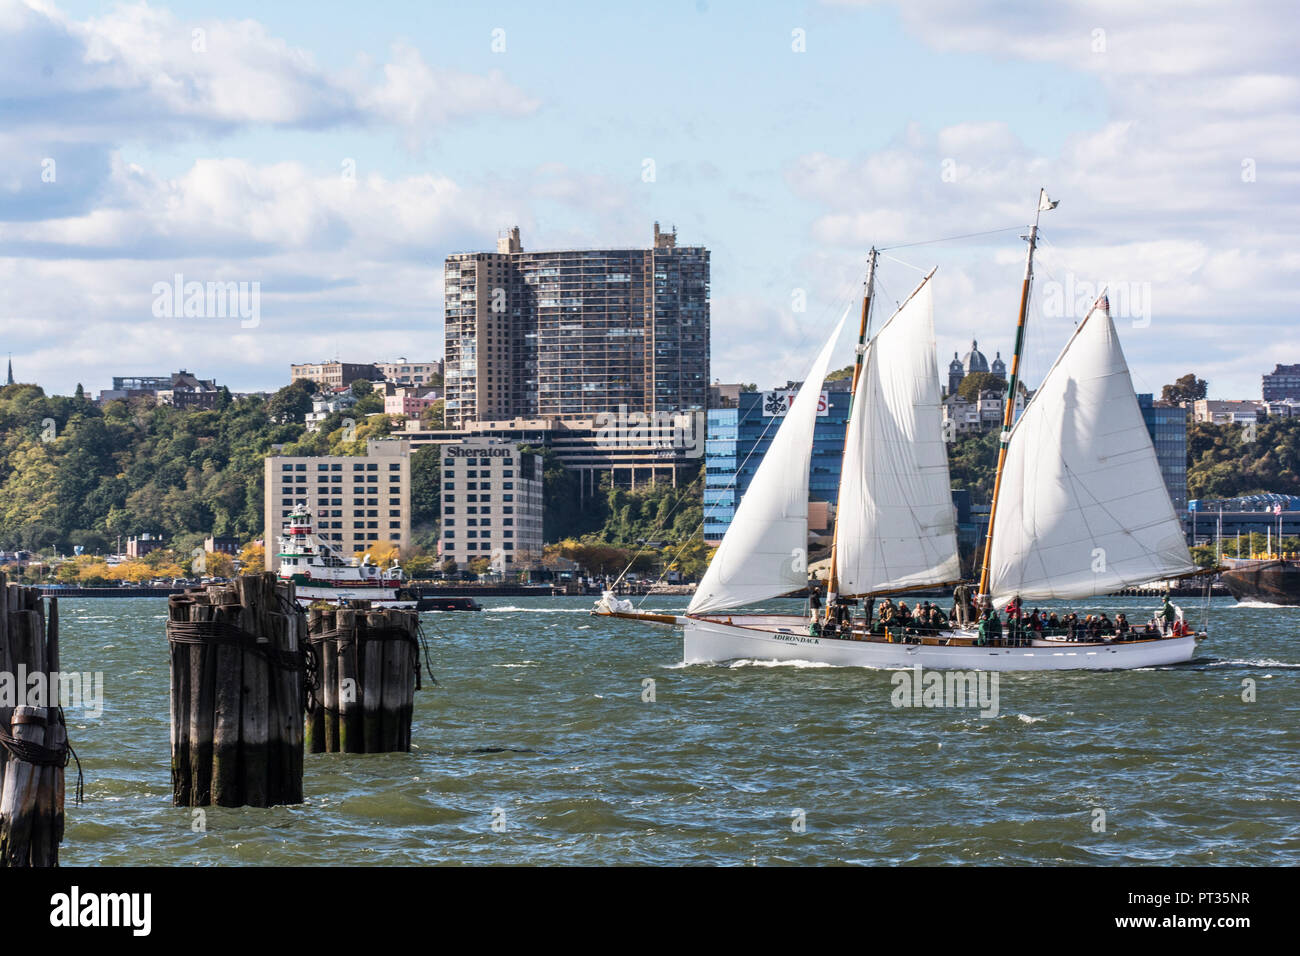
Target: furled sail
{"type": "Point", "coordinates": [764, 552]}
{"type": "Point", "coordinates": [897, 529]}
{"type": "Point", "coordinates": [1083, 509]}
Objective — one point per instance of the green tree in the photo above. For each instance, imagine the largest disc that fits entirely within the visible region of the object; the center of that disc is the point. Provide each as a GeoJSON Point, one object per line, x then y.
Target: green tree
{"type": "Point", "coordinates": [426, 486]}
{"type": "Point", "coordinates": [1186, 388]}
{"type": "Point", "coordinates": [976, 382]}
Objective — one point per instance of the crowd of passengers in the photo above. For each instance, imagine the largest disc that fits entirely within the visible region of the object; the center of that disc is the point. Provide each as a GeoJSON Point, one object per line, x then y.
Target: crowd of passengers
{"type": "Point", "coordinates": [898, 621]}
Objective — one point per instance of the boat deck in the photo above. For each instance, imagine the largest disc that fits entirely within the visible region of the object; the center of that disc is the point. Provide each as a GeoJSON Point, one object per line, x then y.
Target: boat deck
{"type": "Point", "coordinates": [955, 637]}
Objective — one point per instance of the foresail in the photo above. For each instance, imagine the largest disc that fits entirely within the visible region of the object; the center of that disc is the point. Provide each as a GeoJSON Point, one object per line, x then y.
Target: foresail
{"type": "Point", "coordinates": [764, 552]}
{"type": "Point", "coordinates": [896, 523]}
{"type": "Point", "coordinates": [1083, 509]}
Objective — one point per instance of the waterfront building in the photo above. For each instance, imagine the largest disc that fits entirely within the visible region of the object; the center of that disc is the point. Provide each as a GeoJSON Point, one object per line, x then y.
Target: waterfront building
{"type": "Point", "coordinates": [357, 502]}
{"type": "Point", "coordinates": [326, 403]}
{"type": "Point", "coordinates": [1281, 408]}
{"type": "Point", "coordinates": [973, 361]}
{"type": "Point", "coordinates": [571, 334]}
{"type": "Point", "coordinates": [985, 412]}
{"type": "Point", "coordinates": [1267, 514]}
{"type": "Point", "coordinates": [409, 402]}
{"type": "Point", "coordinates": [725, 396]}
{"type": "Point", "coordinates": [491, 503]}
{"type": "Point", "coordinates": [1167, 424]}
{"type": "Point", "coordinates": [403, 372]}
{"type": "Point", "coordinates": [221, 544]}
{"type": "Point", "coordinates": [183, 389]}
{"type": "Point", "coordinates": [140, 545]}
{"type": "Point", "coordinates": [336, 374]}
{"type": "Point", "coordinates": [189, 391]}
{"type": "Point", "coordinates": [1233, 412]}
{"type": "Point", "coordinates": [1282, 383]}
{"type": "Point", "coordinates": [633, 450]}
{"type": "Point", "coordinates": [737, 438]}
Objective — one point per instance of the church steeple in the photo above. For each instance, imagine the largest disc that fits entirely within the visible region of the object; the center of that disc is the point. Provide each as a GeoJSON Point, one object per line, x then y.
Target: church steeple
{"type": "Point", "coordinates": [10, 379]}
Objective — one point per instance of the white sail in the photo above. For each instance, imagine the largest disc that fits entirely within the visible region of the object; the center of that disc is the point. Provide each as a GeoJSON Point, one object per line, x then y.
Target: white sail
{"type": "Point", "coordinates": [896, 527]}
{"type": "Point", "coordinates": [1082, 509]}
{"type": "Point", "coordinates": [764, 552]}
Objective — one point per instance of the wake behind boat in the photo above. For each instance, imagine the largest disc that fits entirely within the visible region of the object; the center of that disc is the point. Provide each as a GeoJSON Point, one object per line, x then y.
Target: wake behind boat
{"type": "Point", "coordinates": [1079, 510]}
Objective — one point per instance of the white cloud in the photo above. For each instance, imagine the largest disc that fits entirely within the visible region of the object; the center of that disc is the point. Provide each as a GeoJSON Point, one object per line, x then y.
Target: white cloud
{"type": "Point", "coordinates": [1191, 184]}
{"type": "Point", "coordinates": [164, 75]}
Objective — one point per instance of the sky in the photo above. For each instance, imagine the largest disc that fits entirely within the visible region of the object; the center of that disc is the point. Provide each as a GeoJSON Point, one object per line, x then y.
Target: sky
{"type": "Point", "coordinates": [330, 155]}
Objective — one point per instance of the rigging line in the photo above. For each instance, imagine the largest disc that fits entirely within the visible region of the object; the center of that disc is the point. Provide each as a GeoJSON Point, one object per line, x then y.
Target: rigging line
{"type": "Point", "coordinates": [908, 264]}
{"type": "Point", "coordinates": [845, 298]}
{"type": "Point", "coordinates": [968, 235]}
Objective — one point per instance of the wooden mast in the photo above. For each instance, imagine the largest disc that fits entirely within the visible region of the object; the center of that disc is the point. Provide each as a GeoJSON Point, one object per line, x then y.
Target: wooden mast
{"type": "Point", "coordinates": [832, 581]}
{"type": "Point", "coordinates": [1009, 412]}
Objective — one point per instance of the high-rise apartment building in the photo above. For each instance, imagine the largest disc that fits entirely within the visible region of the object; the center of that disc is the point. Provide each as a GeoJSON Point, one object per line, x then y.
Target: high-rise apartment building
{"type": "Point", "coordinates": [491, 503]}
{"type": "Point", "coordinates": [358, 502]}
{"type": "Point", "coordinates": [1282, 383]}
{"type": "Point", "coordinates": [575, 333]}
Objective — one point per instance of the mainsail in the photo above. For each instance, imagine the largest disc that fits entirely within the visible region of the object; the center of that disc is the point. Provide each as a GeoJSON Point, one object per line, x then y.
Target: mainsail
{"type": "Point", "coordinates": [764, 552]}
{"type": "Point", "coordinates": [896, 524]}
{"type": "Point", "coordinates": [1082, 508]}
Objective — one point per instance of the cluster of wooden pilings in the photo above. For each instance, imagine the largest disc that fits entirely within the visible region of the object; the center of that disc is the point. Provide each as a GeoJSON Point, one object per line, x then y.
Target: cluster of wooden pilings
{"type": "Point", "coordinates": [368, 665]}
{"type": "Point", "coordinates": [33, 736]}
{"type": "Point", "coordinates": [238, 683]}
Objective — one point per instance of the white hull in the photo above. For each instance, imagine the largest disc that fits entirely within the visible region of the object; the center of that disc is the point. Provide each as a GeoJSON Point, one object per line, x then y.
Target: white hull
{"type": "Point", "coordinates": [784, 638]}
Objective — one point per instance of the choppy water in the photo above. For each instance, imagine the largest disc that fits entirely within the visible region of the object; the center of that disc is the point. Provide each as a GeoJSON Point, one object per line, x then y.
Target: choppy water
{"type": "Point", "coordinates": [539, 715]}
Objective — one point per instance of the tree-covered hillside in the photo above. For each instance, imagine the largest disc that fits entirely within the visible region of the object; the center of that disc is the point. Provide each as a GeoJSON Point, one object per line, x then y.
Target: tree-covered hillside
{"type": "Point", "coordinates": [72, 473]}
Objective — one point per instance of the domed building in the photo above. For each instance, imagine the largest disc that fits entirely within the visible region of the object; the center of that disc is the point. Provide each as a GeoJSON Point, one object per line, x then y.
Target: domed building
{"type": "Point", "coordinates": [973, 361]}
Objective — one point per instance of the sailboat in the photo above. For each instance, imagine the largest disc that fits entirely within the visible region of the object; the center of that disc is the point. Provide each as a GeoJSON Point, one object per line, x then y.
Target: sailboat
{"type": "Point", "coordinates": [1079, 509]}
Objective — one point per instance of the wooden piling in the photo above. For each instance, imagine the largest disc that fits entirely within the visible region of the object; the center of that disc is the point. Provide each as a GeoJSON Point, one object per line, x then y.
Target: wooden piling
{"type": "Point", "coordinates": [369, 667]}
{"type": "Point", "coordinates": [237, 691]}
{"type": "Point", "coordinates": [33, 737]}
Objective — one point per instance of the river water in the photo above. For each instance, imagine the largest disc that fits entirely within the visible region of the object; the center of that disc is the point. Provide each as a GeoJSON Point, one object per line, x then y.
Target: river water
{"type": "Point", "coordinates": [540, 744]}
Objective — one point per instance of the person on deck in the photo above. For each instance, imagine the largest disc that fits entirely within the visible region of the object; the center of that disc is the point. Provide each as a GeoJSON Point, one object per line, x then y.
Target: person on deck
{"type": "Point", "coordinates": [887, 613]}
{"type": "Point", "coordinates": [1167, 614]}
{"type": "Point", "coordinates": [922, 617]}
{"type": "Point", "coordinates": [1105, 626]}
{"type": "Point", "coordinates": [990, 627]}
{"type": "Point", "coordinates": [1121, 626]}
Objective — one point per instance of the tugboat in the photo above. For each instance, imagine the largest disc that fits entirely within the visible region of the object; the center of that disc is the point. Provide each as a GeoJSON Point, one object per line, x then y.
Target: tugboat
{"type": "Point", "coordinates": [321, 573]}
{"type": "Point", "coordinates": [1269, 580]}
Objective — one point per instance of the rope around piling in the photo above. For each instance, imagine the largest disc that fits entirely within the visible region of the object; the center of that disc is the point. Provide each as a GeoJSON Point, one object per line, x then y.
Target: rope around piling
{"type": "Point", "coordinates": [41, 756]}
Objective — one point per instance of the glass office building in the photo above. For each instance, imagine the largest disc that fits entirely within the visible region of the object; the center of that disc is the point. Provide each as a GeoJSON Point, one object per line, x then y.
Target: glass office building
{"type": "Point", "coordinates": [1167, 424]}
{"type": "Point", "coordinates": [738, 438]}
